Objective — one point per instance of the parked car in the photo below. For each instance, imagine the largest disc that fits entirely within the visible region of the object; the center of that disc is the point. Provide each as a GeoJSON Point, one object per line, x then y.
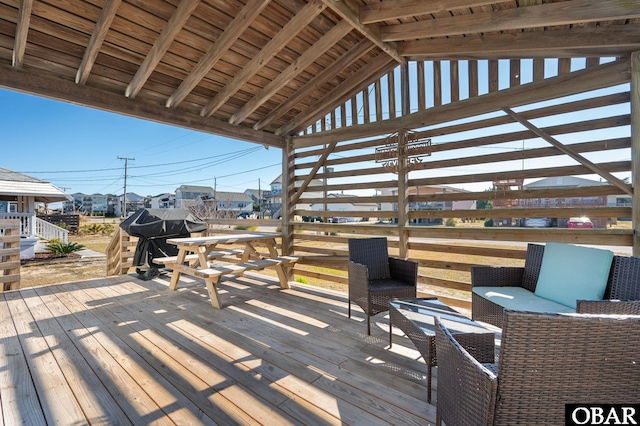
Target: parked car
{"type": "Point", "coordinates": [246, 215]}
{"type": "Point", "coordinates": [579, 222]}
{"type": "Point", "coordinates": [537, 222]}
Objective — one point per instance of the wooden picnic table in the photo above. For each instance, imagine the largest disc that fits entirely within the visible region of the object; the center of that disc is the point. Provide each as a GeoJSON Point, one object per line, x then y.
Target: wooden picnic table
{"type": "Point", "coordinates": [203, 248]}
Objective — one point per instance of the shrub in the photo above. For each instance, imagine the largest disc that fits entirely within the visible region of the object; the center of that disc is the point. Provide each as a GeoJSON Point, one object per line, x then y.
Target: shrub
{"type": "Point", "coordinates": [488, 222]}
{"type": "Point", "coordinates": [302, 280]}
{"type": "Point", "coordinates": [60, 249]}
{"type": "Point", "coordinates": [451, 222]}
{"type": "Point", "coordinates": [245, 228]}
{"type": "Point", "coordinates": [96, 229]}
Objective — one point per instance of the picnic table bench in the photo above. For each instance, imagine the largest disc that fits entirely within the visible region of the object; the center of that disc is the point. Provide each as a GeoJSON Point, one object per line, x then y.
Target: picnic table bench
{"type": "Point", "coordinates": [194, 255]}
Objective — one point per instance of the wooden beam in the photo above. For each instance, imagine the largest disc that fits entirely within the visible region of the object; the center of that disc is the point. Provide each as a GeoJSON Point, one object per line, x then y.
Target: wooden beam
{"type": "Point", "coordinates": [97, 38]}
{"type": "Point", "coordinates": [356, 82]}
{"type": "Point", "coordinates": [299, 65]}
{"type": "Point", "coordinates": [22, 30]}
{"type": "Point", "coordinates": [614, 40]}
{"type": "Point", "coordinates": [605, 75]}
{"type": "Point", "coordinates": [635, 147]}
{"type": "Point", "coordinates": [346, 9]}
{"type": "Point", "coordinates": [327, 151]}
{"type": "Point", "coordinates": [232, 32]}
{"type": "Point", "coordinates": [162, 44]}
{"type": "Point", "coordinates": [48, 86]}
{"type": "Point", "coordinates": [398, 9]}
{"type": "Point", "coordinates": [544, 15]}
{"type": "Point", "coordinates": [277, 43]}
{"type": "Point", "coordinates": [570, 152]}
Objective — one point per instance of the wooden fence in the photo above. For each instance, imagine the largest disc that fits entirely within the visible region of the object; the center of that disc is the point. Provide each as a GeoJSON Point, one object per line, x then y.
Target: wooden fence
{"type": "Point", "coordinates": [9, 254]}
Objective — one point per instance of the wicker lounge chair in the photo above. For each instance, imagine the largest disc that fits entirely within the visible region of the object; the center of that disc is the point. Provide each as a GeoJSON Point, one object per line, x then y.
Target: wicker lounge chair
{"type": "Point", "coordinates": [622, 294]}
{"type": "Point", "coordinates": [375, 278]}
{"type": "Point", "coordinates": [546, 361]}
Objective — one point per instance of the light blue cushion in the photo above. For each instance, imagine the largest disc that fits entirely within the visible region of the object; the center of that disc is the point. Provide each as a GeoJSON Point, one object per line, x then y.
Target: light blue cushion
{"type": "Point", "coordinates": [520, 299]}
{"type": "Point", "coordinates": [569, 273]}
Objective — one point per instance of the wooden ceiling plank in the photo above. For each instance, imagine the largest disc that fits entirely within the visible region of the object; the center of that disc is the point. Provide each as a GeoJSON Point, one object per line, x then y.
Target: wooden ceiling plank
{"type": "Point", "coordinates": [606, 75]}
{"type": "Point", "coordinates": [97, 38]}
{"type": "Point", "coordinates": [356, 82]}
{"type": "Point", "coordinates": [46, 85]}
{"type": "Point", "coordinates": [570, 152]}
{"type": "Point", "coordinates": [539, 44]}
{"type": "Point", "coordinates": [299, 65]}
{"type": "Point", "coordinates": [22, 30]}
{"type": "Point", "coordinates": [277, 43]}
{"type": "Point", "coordinates": [400, 9]}
{"type": "Point", "coordinates": [233, 31]}
{"type": "Point", "coordinates": [346, 9]}
{"type": "Point", "coordinates": [331, 71]}
{"type": "Point", "coordinates": [170, 31]}
{"type": "Point", "coordinates": [544, 15]}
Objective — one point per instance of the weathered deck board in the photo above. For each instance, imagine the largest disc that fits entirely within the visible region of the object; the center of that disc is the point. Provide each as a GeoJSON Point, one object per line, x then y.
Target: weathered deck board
{"type": "Point", "coordinates": [125, 351]}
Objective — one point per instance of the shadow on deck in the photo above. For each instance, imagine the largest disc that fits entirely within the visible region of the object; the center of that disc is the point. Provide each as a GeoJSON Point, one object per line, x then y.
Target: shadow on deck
{"type": "Point", "coordinates": [124, 351]}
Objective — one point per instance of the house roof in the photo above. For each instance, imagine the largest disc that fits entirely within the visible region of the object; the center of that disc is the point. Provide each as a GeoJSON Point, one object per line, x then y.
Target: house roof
{"type": "Point", "coordinates": [195, 188]}
{"type": "Point", "coordinates": [233, 196]}
{"type": "Point", "coordinates": [571, 181]}
{"type": "Point", "coordinates": [260, 70]}
{"type": "Point", "coordinates": [18, 184]}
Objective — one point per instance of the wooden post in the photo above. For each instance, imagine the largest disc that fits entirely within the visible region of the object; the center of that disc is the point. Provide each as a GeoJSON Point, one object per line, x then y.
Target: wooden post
{"type": "Point", "coordinates": [635, 147]}
{"type": "Point", "coordinates": [287, 207]}
{"type": "Point", "coordinates": [403, 195]}
{"type": "Point", "coordinates": [403, 175]}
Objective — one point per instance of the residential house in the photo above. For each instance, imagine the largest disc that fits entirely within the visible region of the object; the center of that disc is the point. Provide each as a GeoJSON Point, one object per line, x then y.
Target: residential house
{"type": "Point", "coordinates": [161, 201]}
{"type": "Point", "coordinates": [428, 205]}
{"type": "Point", "coordinates": [187, 195]}
{"type": "Point", "coordinates": [574, 182]}
{"type": "Point", "coordinates": [19, 194]}
{"type": "Point", "coordinates": [230, 204]}
{"type": "Point", "coordinates": [275, 204]}
{"type": "Point", "coordinates": [365, 208]}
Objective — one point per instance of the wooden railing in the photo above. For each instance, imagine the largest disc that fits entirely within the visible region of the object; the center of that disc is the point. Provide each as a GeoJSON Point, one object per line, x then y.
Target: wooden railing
{"type": "Point", "coordinates": [9, 254]}
{"type": "Point", "coordinates": [120, 252]}
{"type": "Point", "coordinates": [48, 231]}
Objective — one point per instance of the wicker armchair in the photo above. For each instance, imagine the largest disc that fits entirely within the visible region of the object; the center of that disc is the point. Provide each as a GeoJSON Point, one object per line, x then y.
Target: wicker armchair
{"type": "Point", "coordinates": [546, 361]}
{"type": "Point", "coordinates": [622, 295]}
{"type": "Point", "coordinates": [375, 278]}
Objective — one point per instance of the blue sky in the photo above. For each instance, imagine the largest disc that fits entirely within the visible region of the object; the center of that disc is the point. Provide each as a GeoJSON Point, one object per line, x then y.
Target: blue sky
{"type": "Point", "coordinates": [77, 149]}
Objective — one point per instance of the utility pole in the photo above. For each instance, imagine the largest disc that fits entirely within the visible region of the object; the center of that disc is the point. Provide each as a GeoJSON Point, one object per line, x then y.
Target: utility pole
{"type": "Point", "coordinates": [124, 196]}
{"type": "Point", "coordinates": [259, 200]}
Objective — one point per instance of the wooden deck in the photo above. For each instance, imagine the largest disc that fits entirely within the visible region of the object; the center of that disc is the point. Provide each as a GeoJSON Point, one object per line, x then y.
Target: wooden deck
{"type": "Point", "coordinates": [125, 351]}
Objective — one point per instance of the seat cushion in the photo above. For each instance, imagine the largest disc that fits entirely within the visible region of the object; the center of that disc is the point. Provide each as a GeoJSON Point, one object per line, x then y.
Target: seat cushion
{"type": "Point", "coordinates": [520, 299]}
{"type": "Point", "coordinates": [569, 273]}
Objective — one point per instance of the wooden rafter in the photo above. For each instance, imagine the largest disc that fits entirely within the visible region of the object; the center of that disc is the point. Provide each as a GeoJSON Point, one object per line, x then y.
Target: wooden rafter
{"type": "Point", "coordinates": [570, 152]}
{"type": "Point", "coordinates": [235, 29]}
{"type": "Point", "coordinates": [346, 9]}
{"type": "Point", "coordinates": [162, 44]}
{"type": "Point", "coordinates": [299, 65]}
{"type": "Point", "coordinates": [349, 87]}
{"type": "Point", "coordinates": [606, 75]}
{"type": "Point", "coordinates": [288, 32]}
{"type": "Point", "coordinates": [66, 90]}
{"type": "Point", "coordinates": [331, 71]}
{"type": "Point", "coordinates": [544, 15]}
{"type": "Point", "coordinates": [97, 38]}
{"type": "Point", "coordinates": [399, 9]}
{"type": "Point", "coordinates": [563, 43]}
{"type": "Point", "coordinates": [22, 29]}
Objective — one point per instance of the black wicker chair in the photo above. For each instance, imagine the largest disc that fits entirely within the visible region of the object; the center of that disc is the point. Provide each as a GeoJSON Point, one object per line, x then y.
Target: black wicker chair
{"type": "Point", "coordinates": [375, 278]}
{"type": "Point", "coordinates": [622, 295]}
{"type": "Point", "coordinates": [546, 361]}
